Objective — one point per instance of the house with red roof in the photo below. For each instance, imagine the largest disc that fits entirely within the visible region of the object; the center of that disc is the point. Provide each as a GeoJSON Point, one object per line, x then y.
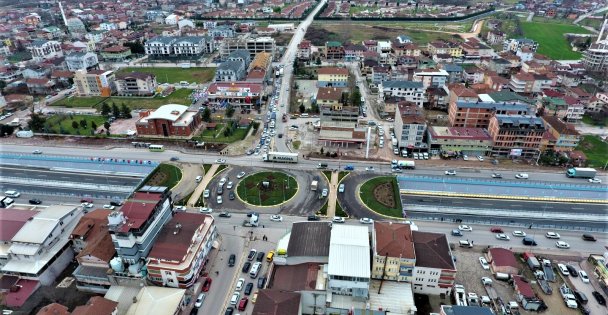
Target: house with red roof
{"type": "Point", "coordinates": [525, 294]}
{"type": "Point", "coordinates": [503, 260]}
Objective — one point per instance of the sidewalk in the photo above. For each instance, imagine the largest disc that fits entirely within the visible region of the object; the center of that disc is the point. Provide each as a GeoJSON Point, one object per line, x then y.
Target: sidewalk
{"type": "Point", "coordinates": [333, 195]}
{"type": "Point", "coordinates": [201, 187]}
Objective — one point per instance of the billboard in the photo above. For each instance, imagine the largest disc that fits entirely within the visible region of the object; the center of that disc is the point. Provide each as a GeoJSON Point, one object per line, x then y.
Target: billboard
{"type": "Point", "coordinates": [515, 152]}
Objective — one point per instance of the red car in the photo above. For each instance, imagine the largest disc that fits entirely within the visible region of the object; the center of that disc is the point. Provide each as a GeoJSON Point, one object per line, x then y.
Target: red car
{"type": "Point", "coordinates": [207, 284]}
{"type": "Point", "coordinates": [243, 303]}
{"type": "Point", "coordinates": [496, 229]}
{"type": "Point", "coordinates": [89, 200]}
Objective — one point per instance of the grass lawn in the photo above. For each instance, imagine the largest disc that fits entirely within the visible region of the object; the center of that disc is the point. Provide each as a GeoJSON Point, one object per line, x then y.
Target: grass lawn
{"type": "Point", "coordinates": [551, 39]}
{"type": "Point", "coordinates": [165, 175]}
{"type": "Point", "coordinates": [367, 196]}
{"type": "Point", "coordinates": [339, 211]}
{"type": "Point", "coordinates": [327, 175]}
{"type": "Point", "coordinates": [181, 96]}
{"type": "Point", "coordinates": [175, 75]}
{"type": "Point", "coordinates": [588, 120]}
{"type": "Point", "coordinates": [341, 175]}
{"type": "Point", "coordinates": [206, 167]}
{"type": "Point", "coordinates": [323, 210]}
{"type": "Point", "coordinates": [62, 124]}
{"type": "Point", "coordinates": [217, 135]}
{"type": "Point", "coordinates": [282, 187]}
{"type": "Point", "coordinates": [595, 149]}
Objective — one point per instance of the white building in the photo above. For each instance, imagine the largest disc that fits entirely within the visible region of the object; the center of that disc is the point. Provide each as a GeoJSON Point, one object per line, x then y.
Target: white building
{"type": "Point", "coordinates": [172, 19]}
{"type": "Point", "coordinates": [81, 61]}
{"type": "Point", "coordinates": [287, 27]}
{"type": "Point", "coordinates": [42, 49]}
{"type": "Point", "coordinates": [349, 261]}
{"type": "Point", "coordinates": [410, 127]}
{"type": "Point", "coordinates": [435, 270]}
{"type": "Point", "coordinates": [431, 77]}
{"type": "Point", "coordinates": [177, 46]}
{"type": "Point", "coordinates": [41, 249]}
{"type": "Point", "coordinates": [95, 36]}
{"type": "Point", "coordinates": [407, 90]}
{"type": "Point", "coordinates": [516, 44]}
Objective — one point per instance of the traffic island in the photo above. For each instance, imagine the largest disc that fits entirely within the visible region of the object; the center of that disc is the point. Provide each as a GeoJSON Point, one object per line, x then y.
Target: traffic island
{"type": "Point", "coordinates": [381, 195]}
{"type": "Point", "coordinates": [267, 188]}
{"type": "Point", "coordinates": [165, 175]}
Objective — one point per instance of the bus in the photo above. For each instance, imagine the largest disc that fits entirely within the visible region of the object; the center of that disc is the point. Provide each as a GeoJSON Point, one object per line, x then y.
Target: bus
{"type": "Point", "coordinates": [157, 148]}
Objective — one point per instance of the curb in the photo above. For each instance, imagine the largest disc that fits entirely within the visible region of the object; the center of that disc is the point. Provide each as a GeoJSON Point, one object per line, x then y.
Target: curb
{"type": "Point", "coordinates": [258, 206]}
{"type": "Point", "coordinates": [521, 198]}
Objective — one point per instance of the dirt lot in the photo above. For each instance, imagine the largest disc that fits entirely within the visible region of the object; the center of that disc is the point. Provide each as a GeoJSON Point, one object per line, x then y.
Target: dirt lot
{"type": "Point", "coordinates": [470, 272]}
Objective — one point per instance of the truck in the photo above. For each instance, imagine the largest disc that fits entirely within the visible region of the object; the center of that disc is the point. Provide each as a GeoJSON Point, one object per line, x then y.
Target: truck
{"type": "Point", "coordinates": [548, 270]}
{"type": "Point", "coordinates": [568, 296]}
{"type": "Point", "coordinates": [394, 142]}
{"type": "Point", "coordinates": [314, 185]}
{"type": "Point", "coordinates": [542, 282]}
{"type": "Point", "coordinates": [581, 172]}
{"type": "Point", "coordinates": [406, 164]}
{"type": "Point", "coordinates": [253, 220]}
{"type": "Point", "coordinates": [281, 72]}
{"type": "Point", "coordinates": [460, 295]}
{"type": "Point", "coordinates": [531, 260]}
{"type": "Point", "coordinates": [280, 157]}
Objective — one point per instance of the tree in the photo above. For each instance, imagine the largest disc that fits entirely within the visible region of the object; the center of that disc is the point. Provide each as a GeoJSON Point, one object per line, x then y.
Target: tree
{"type": "Point", "coordinates": [83, 123]}
{"type": "Point", "coordinates": [229, 111]}
{"type": "Point", "coordinates": [126, 111]}
{"type": "Point", "coordinates": [107, 125]}
{"type": "Point", "coordinates": [302, 108]}
{"type": "Point", "coordinates": [207, 115]}
{"type": "Point", "coordinates": [136, 48]}
{"type": "Point", "coordinates": [74, 124]}
{"type": "Point", "coordinates": [276, 9]}
{"type": "Point", "coordinates": [115, 110]}
{"type": "Point", "coordinates": [6, 130]}
{"type": "Point", "coordinates": [105, 109]}
{"type": "Point", "coordinates": [355, 98]}
{"type": "Point", "coordinates": [93, 125]}
{"type": "Point", "coordinates": [2, 85]}
{"type": "Point", "coordinates": [318, 61]}
{"type": "Point", "coordinates": [36, 122]}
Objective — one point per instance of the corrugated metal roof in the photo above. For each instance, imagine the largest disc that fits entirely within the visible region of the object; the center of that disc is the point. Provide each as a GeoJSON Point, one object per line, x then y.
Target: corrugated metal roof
{"type": "Point", "coordinates": [349, 251]}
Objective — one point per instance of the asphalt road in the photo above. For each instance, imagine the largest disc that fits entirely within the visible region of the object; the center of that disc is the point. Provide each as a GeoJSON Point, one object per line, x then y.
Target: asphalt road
{"type": "Point", "coordinates": [48, 174]}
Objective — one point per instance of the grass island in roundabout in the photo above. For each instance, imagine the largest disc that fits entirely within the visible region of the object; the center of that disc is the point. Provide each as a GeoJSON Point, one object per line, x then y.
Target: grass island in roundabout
{"type": "Point", "coordinates": [267, 188]}
{"type": "Point", "coordinates": [381, 194]}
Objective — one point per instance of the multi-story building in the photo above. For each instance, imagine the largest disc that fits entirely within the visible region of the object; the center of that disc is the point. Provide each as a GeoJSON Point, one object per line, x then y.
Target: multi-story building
{"type": "Point", "coordinates": [135, 84]}
{"type": "Point", "coordinates": [393, 251]}
{"type": "Point", "coordinates": [567, 138]}
{"type": "Point", "coordinates": [495, 37]}
{"type": "Point", "coordinates": [449, 141]}
{"type": "Point", "coordinates": [435, 270]}
{"type": "Point", "coordinates": [11, 220]}
{"type": "Point", "coordinates": [170, 120]}
{"type": "Point", "coordinates": [260, 68]}
{"type": "Point", "coordinates": [179, 253]}
{"type": "Point", "coordinates": [405, 90]}
{"type": "Point", "coordinates": [478, 114]}
{"type": "Point", "coordinates": [81, 61]}
{"type": "Point", "coordinates": [348, 268]}
{"type": "Point", "coordinates": [115, 53]}
{"type": "Point", "coordinates": [455, 72]}
{"type": "Point", "coordinates": [4, 49]}
{"type": "Point", "coordinates": [431, 77]}
{"type": "Point", "coordinates": [41, 250]}
{"type": "Point", "coordinates": [353, 52]}
{"type": "Point", "coordinates": [304, 50]}
{"type": "Point", "coordinates": [410, 126]}
{"type": "Point", "coordinates": [177, 47]}
{"type": "Point", "coordinates": [334, 51]}
{"type": "Point", "coordinates": [94, 83]}
{"type": "Point", "coordinates": [332, 77]}
{"type": "Point", "coordinates": [595, 58]}
{"type": "Point", "coordinates": [516, 44]}
{"type": "Point", "coordinates": [241, 55]}
{"type": "Point", "coordinates": [222, 31]}
{"type": "Point", "coordinates": [380, 74]}
{"type": "Point", "coordinates": [43, 49]}
{"type": "Point", "coordinates": [330, 98]}
{"type": "Point", "coordinates": [406, 49]}
{"type": "Point", "coordinates": [444, 47]}
{"type": "Point", "coordinates": [244, 95]}
{"type": "Point", "coordinates": [134, 228]}
{"type": "Point", "coordinates": [252, 44]}
{"type": "Point", "coordinates": [516, 135]}
{"type": "Point", "coordinates": [230, 71]}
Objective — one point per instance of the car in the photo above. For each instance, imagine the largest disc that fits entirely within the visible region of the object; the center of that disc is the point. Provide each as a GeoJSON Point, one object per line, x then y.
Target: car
{"type": "Point", "coordinates": [87, 200]}
{"type": "Point", "coordinates": [518, 233]}
{"type": "Point", "coordinates": [109, 207]}
{"type": "Point", "coordinates": [205, 210]}
{"type": "Point", "coordinates": [220, 161]}
{"type": "Point", "coordinates": [254, 297]}
{"type": "Point", "coordinates": [235, 298]}
{"type": "Point", "coordinates": [366, 221]}
{"type": "Point", "coordinates": [369, 168]}
{"type": "Point", "coordinates": [528, 241]}
{"type": "Point", "coordinates": [179, 208]}
{"type": "Point", "coordinates": [174, 158]}
{"type": "Point", "coordinates": [313, 217]}
{"type": "Point", "coordinates": [502, 237]}
{"type": "Point", "coordinates": [456, 232]}
{"type": "Point", "coordinates": [251, 255]}
{"type": "Point", "coordinates": [198, 179]}
{"type": "Point", "coordinates": [219, 199]}
{"type": "Point", "coordinates": [349, 168]}
{"type": "Point", "coordinates": [248, 288]}
{"type": "Point", "coordinates": [563, 270]}
{"type": "Point", "coordinates": [599, 298]}
{"type": "Point", "coordinates": [338, 220]}
{"type": "Point", "coordinates": [231, 195]}
{"type": "Point", "coordinates": [35, 201]}
{"type": "Point", "coordinates": [240, 284]}
{"type": "Point", "coordinates": [240, 175]}
{"type": "Point", "coordinates": [243, 303]}
{"type": "Point", "coordinates": [276, 218]}
{"type": "Point", "coordinates": [246, 267]}
{"type": "Point", "coordinates": [553, 235]}
{"type": "Point", "coordinates": [87, 205]}
{"type": "Point", "coordinates": [589, 237]}
{"type": "Point", "coordinates": [496, 175]}
{"type": "Point", "coordinates": [496, 229]}
{"type": "Point", "coordinates": [583, 276]}
{"type": "Point", "coordinates": [562, 245]}
{"type": "Point", "coordinates": [324, 192]}
{"type": "Point", "coordinates": [229, 185]}
{"type": "Point", "coordinates": [595, 180]}
{"type": "Point", "coordinates": [465, 228]}
{"type": "Point", "coordinates": [37, 152]}
{"type": "Point", "coordinates": [396, 170]}
{"type": "Point", "coordinates": [231, 260]}
{"type": "Point", "coordinates": [225, 214]}
{"type": "Point", "coordinates": [220, 190]}
{"type": "Point", "coordinates": [260, 256]}
{"type": "Point", "coordinates": [341, 188]}
{"type": "Point", "coordinates": [522, 176]}
{"type": "Point", "coordinates": [484, 263]}
{"type": "Point", "coordinates": [249, 152]}
{"type": "Point", "coordinates": [207, 284]}
{"type": "Point", "coordinates": [573, 272]}
{"type": "Point", "coordinates": [116, 203]}
{"type": "Point", "coordinates": [486, 280]}
{"type": "Point", "coordinates": [450, 172]}
{"type": "Point", "coordinates": [465, 157]}
{"type": "Point", "coordinates": [261, 282]}
{"type": "Point", "coordinates": [199, 300]}
{"type": "Point", "coordinates": [480, 158]}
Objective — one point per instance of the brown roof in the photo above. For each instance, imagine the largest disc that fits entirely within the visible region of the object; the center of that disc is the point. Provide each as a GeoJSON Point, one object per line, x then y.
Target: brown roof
{"type": "Point", "coordinates": [464, 92]}
{"type": "Point", "coordinates": [393, 240]}
{"type": "Point", "coordinates": [92, 227]}
{"type": "Point", "coordinates": [410, 113]}
{"type": "Point", "coordinates": [294, 277]}
{"type": "Point", "coordinates": [561, 127]}
{"type": "Point", "coordinates": [53, 309]}
{"type": "Point", "coordinates": [275, 302]}
{"type": "Point", "coordinates": [309, 239]}
{"type": "Point", "coordinates": [12, 220]}
{"type": "Point", "coordinates": [332, 70]}
{"type": "Point", "coordinates": [96, 305]}
{"type": "Point", "coordinates": [503, 257]}
{"type": "Point", "coordinates": [578, 155]}
{"type": "Point", "coordinates": [432, 250]}
{"type": "Point", "coordinates": [174, 246]}
{"type": "Point", "coordinates": [62, 74]}
{"type": "Point", "coordinates": [116, 49]}
{"type": "Point", "coordinates": [329, 93]}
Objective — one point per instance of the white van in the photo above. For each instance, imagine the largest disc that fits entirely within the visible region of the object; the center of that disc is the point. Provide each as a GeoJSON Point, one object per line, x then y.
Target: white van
{"type": "Point", "coordinates": [521, 176]}
{"type": "Point", "coordinates": [255, 269]}
{"type": "Point", "coordinates": [12, 193]}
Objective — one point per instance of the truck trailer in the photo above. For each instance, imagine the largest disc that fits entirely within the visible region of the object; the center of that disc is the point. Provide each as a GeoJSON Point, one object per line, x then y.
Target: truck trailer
{"type": "Point", "coordinates": [406, 164]}
{"type": "Point", "coordinates": [581, 172]}
{"type": "Point", "coordinates": [280, 157]}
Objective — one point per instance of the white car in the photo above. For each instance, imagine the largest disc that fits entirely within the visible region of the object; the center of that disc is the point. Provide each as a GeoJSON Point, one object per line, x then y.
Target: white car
{"type": "Point", "coordinates": [199, 300]}
{"type": "Point", "coordinates": [562, 244]}
{"type": "Point", "coordinates": [240, 175]}
{"type": "Point", "coordinates": [40, 152]}
{"type": "Point", "coordinates": [552, 235]}
{"type": "Point", "coordinates": [179, 208]}
{"type": "Point", "coordinates": [366, 221]}
{"type": "Point", "coordinates": [220, 161]}
{"type": "Point", "coordinates": [324, 192]}
{"type": "Point", "coordinates": [465, 157]}
{"type": "Point", "coordinates": [206, 193]}
{"type": "Point", "coordinates": [109, 207]}
{"type": "Point", "coordinates": [518, 233]}
{"type": "Point", "coordinates": [595, 180]}
{"type": "Point", "coordinates": [219, 199]}
{"type": "Point", "coordinates": [338, 220]}
{"type": "Point", "coordinates": [235, 298]}
{"type": "Point", "coordinates": [450, 172]}
{"type": "Point", "coordinates": [369, 168]}
{"type": "Point", "coordinates": [276, 218]}
{"type": "Point", "coordinates": [87, 205]}
{"type": "Point", "coordinates": [584, 276]}
{"type": "Point", "coordinates": [484, 263]}
{"type": "Point", "coordinates": [239, 284]}
{"type": "Point", "coordinates": [502, 237]}
{"type": "Point", "coordinates": [205, 210]}
{"type": "Point", "coordinates": [486, 280]}
{"type": "Point", "coordinates": [480, 158]}
{"type": "Point", "coordinates": [230, 185]}
{"type": "Point", "coordinates": [465, 228]}
{"type": "Point", "coordinates": [341, 188]}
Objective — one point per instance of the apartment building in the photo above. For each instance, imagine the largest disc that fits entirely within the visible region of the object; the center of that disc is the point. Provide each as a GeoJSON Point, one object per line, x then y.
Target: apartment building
{"type": "Point", "coordinates": [332, 77]}
{"type": "Point", "coordinates": [230, 71]}
{"type": "Point", "coordinates": [410, 126]}
{"type": "Point", "coordinates": [435, 270]}
{"type": "Point", "coordinates": [517, 44]}
{"type": "Point", "coordinates": [380, 74]}
{"type": "Point", "coordinates": [115, 53]}
{"type": "Point", "coordinates": [162, 47]}
{"type": "Point", "coordinates": [181, 249]}
{"type": "Point", "coordinates": [94, 82]}
{"type": "Point", "coordinates": [252, 44]}
{"type": "Point", "coordinates": [43, 49]}
{"type": "Point", "coordinates": [393, 255]}
{"type": "Point", "coordinates": [81, 61]}
{"type": "Point", "coordinates": [409, 91]}
{"type": "Point", "coordinates": [595, 58]}
{"type": "Point", "coordinates": [431, 77]}
{"type": "Point", "coordinates": [440, 47]}
{"type": "Point", "coordinates": [478, 114]}
{"type": "Point", "coordinates": [135, 84]}
{"type": "Point", "coordinates": [567, 138]}
{"type": "Point", "coordinates": [450, 141]}
{"type": "Point", "coordinates": [243, 95]}
{"type": "Point", "coordinates": [516, 135]}
{"type": "Point", "coordinates": [334, 50]}
{"type": "Point", "coordinates": [304, 50]}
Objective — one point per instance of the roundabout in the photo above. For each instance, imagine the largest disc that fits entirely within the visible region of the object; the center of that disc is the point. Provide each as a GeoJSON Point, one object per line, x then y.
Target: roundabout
{"type": "Point", "coordinates": [267, 189]}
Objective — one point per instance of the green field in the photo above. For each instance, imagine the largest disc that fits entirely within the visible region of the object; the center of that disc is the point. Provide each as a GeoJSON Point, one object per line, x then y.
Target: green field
{"type": "Point", "coordinates": [217, 135]}
{"type": "Point", "coordinates": [166, 175]}
{"type": "Point", "coordinates": [282, 188]}
{"type": "Point", "coordinates": [367, 196]}
{"type": "Point", "coordinates": [175, 75]}
{"type": "Point", "coordinates": [181, 96]}
{"type": "Point", "coordinates": [62, 124]}
{"type": "Point", "coordinates": [595, 149]}
{"type": "Point", "coordinates": [551, 39]}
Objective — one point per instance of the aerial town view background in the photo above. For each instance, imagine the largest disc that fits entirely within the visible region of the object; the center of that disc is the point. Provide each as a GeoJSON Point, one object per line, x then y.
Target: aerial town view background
{"type": "Point", "coordinates": [176, 157]}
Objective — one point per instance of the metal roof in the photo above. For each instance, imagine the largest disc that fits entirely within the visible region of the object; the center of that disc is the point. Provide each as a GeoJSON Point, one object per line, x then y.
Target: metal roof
{"type": "Point", "coordinates": [349, 251]}
{"type": "Point", "coordinates": [37, 230]}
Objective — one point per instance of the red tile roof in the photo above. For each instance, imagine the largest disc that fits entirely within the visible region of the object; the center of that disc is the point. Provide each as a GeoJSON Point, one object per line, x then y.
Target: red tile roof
{"type": "Point", "coordinates": [503, 257]}
{"type": "Point", "coordinates": [295, 277]}
{"type": "Point", "coordinates": [333, 70]}
{"type": "Point", "coordinates": [54, 309]}
{"type": "Point", "coordinates": [253, 87]}
{"type": "Point", "coordinates": [12, 220]}
{"type": "Point", "coordinates": [329, 93]}
{"type": "Point", "coordinates": [523, 287]}
{"type": "Point", "coordinates": [137, 212]}
{"type": "Point", "coordinates": [18, 298]}
{"type": "Point", "coordinates": [173, 242]}
{"type": "Point", "coordinates": [394, 240]}
{"type": "Point", "coordinates": [96, 305]}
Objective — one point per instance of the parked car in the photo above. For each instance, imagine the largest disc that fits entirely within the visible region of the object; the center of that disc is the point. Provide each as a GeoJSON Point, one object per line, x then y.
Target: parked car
{"type": "Point", "coordinates": [246, 267]}
{"type": "Point", "coordinates": [276, 218]}
{"type": "Point", "coordinates": [240, 284]}
{"type": "Point", "coordinates": [207, 284]}
{"type": "Point", "coordinates": [199, 300]}
{"type": "Point", "coordinates": [313, 218]}
{"type": "Point", "coordinates": [338, 220]}
{"type": "Point", "coordinates": [599, 298]}
{"type": "Point", "coordinates": [248, 288]}
{"type": "Point", "coordinates": [35, 201]}
{"type": "Point", "coordinates": [251, 254]}
{"type": "Point", "coordinates": [231, 260]}
{"type": "Point", "coordinates": [484, 263]}
{"type": "Point", "coordinates": [261, 282]}
{"type": "Point", "coordinates": [366, 221]}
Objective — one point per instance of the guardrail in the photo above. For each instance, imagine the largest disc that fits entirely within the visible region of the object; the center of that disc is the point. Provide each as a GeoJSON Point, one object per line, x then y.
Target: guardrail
{"type": "Point", "coordinates": [501, 197]}
{"type": "Point", "coordinates": [97, 160]}
{"type": "Point", "coordinates": [6, 180]}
